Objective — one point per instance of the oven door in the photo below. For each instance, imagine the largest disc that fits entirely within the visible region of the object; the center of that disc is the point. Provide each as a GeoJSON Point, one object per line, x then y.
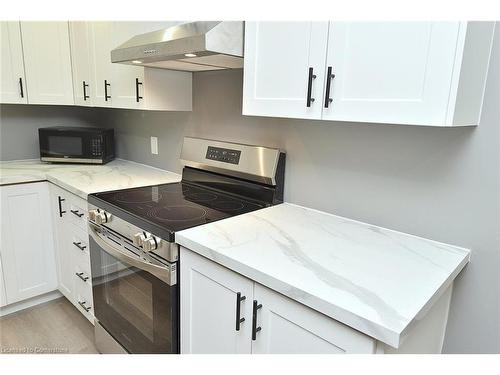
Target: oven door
{"type": "Point", "coordinates": [133, 300]}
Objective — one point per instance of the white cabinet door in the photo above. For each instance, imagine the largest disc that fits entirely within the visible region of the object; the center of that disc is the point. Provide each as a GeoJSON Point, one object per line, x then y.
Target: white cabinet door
{"type": "Point", "coordinates": [391, 72]}
{"type": "Point", "coordinates": [27, 248]}
{"type": "Point", "coordinates": [288, 327]}
{"type": "Point", "coordinates": [278, 58]}
{"type": "Point", "coordinates": [47, 61]}
{"type": "Point", "coordinates": [12, 82]}
{"type": "Point", "coordinates": [209, 307]}
{"type": "Point", "coordinates": [60, 210]}
{"type": "Point", "coordinates": [101, 69]}
{"type": "Point", "coordinates": [3, 298]}
{"type": "Point", "coordinates": [81, 61]}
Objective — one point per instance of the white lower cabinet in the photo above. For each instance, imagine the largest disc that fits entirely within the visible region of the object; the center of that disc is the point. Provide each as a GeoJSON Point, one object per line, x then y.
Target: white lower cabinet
{"type": "Point", "coordinates": [209, 315]}
{"type": "Point", "coordinates": [27, 247]}
{"type": "Point", "coordinates": [69, 216]}
{"type": "Point", "coordinates": [209, 307]}
{"type": "Point", "coordinates": [3, 298]}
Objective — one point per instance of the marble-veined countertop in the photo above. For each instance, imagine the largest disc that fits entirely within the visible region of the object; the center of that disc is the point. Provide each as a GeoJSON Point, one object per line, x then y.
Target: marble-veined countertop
{"type": "Point", "coordinates": [373, 279]}
{"type": "Point", "coordinates": [82, 179]}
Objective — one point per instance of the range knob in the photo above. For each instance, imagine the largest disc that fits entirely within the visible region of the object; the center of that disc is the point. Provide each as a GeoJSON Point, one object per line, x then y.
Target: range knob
{"type": "Point", "coordinates": [139, 239]}
{"type": "Point", "coordinates": [150, 243]}
{"type": "Point", "coordinates": [102, 217]}
{"type": "Point", "coordinates": [92, 214]}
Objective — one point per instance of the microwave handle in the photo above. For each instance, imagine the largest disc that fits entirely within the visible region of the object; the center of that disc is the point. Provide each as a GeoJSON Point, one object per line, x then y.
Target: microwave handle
{"type": "Point", "coordinates": [162, 273]}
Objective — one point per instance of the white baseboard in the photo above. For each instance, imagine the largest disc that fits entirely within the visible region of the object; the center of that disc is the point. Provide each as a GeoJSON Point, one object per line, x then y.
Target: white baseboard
{"type": "Point", "coordinates": [21, 305]}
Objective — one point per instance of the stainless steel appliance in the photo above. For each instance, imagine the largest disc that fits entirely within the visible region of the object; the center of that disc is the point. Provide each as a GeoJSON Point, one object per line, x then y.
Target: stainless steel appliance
{"type": "Point", "coordinates": [134, 257]}
{"type": "Point", "coordinates": [64, 144]}
{"type": "Point", "coordinates": [194, 46]}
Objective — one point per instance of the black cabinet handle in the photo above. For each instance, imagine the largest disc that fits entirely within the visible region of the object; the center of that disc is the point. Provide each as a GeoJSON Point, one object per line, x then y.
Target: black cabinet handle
{"type": "Point", "coordinates": [80, 246]}
{"type": "Point", "coordinates": [106, 84]}
{"type": "Point", "coordinates": [80, 275]}
{"type": "Point", "coordinates": [82, 304]}
{"type": "Point", "coordinates": [329, 78]}
{"type": "Point", "coordinates": [76, 213]}
{"type": "Point", "coordinates": [60, 200]}
{"type": "Point", "coordinates": [21, 87]}
{"type": "Point", "coordinates": [255, 329]}
{"type": "Point", "coordinates": [239, 320]}
{"type": "Point", "coordinates": [85, 96]}
{"type": "Point", "coordinates": [312, 76]}
{"type": "Point", "coordinates": [137, 96]}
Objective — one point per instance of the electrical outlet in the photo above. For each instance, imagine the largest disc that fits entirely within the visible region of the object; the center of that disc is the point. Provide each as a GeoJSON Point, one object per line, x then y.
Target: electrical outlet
{"type": "Point", "coordinates": [154, 145]}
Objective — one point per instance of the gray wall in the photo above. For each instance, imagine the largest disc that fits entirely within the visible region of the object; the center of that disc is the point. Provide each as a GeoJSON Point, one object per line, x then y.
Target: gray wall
{"type": "Point", "coordinates": [19, 126]}
{"type": "Point", "coordinates": [442, 184]}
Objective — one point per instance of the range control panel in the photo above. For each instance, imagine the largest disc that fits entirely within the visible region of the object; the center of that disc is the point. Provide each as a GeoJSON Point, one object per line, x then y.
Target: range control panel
{"type": "Point", "coordinates": [224, 155]}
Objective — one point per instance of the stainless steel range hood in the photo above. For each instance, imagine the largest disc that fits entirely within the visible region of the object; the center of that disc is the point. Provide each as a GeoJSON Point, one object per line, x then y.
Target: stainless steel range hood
{"type": "Point", "coordinates": [195, 46]}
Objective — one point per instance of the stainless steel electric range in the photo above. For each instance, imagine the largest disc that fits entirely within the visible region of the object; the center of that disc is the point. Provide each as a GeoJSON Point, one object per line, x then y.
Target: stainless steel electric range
{"type": "Point", "coordinates": [134, 257]}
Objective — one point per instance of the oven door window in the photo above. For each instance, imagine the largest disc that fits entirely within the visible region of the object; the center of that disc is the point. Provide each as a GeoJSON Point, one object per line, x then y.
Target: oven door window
{"type": "Point", "coordinates": [135, 307]}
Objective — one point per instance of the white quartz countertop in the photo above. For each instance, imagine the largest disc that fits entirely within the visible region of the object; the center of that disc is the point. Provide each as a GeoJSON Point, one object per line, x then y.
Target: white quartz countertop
{"type": "Point", "coordinates": [373, 279]}
{"type": "Point", "coordinates": [83, 179]}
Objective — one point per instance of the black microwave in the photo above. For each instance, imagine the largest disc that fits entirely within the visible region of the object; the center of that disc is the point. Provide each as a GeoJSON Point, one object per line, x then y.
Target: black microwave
{"type": "Point", "coordinates": [76, 145]}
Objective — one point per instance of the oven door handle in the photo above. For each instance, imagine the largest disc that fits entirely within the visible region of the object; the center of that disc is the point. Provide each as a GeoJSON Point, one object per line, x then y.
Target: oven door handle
{"type": "Point", "coordinates": [163, 273]}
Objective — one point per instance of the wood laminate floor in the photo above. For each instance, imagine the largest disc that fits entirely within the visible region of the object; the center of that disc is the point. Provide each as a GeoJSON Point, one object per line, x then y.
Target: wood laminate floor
{"type": "Point", "coordinates": [53, 327]}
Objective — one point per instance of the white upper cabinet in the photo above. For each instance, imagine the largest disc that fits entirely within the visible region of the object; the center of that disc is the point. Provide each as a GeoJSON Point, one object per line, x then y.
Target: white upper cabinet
{"type": "Point", "coordinates": [281, 60]}
{"type": "Point", "coordinates": [81, 62]}
{"type": "Point", "coordinates": [125, 86]}
{"type": "Point", "coordinates": [12, 82]}
{"type": "Point", "coordinates": [47, 61]}
{"type": "Point", "coordinates": [417, 73]}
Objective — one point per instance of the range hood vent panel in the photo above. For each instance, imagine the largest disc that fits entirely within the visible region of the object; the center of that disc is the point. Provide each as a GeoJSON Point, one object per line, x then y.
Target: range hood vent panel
{"type": "Point", "coordinates": [216, 44]}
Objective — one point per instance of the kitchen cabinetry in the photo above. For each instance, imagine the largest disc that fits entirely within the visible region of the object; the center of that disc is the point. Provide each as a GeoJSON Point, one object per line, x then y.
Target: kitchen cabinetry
{"type": "Point", "coordinates": [81, 62]}
{"type": "Point", "coordinates": [47, 61]}
{"type": "Point", "coordinates": [418, 73]}
{"type": "Point", "coordinates": [27, 251]}
{"type": "Point", "coordinates": [272, 323]}
{"type": "Point", "coordinates": [69, 215]}
{"type": "Point", "coordinates": [13, 81]}
{"type": "Point", "coordinates": [125, 86]}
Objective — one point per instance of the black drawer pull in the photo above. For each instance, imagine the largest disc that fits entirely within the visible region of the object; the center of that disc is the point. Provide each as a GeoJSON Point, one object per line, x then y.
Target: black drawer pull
{"type": "Point", "coordinates": [85, 96]}
{"type": "Point", "coordinates": [106, 84]}
{"type": "Point", "coordinates": [137, 96]}
{"type": "Point", "coordinates": [329, 78]}
{"type": "Point", "coordinates": [80, 275]}
{"type": "Point", "coordinates": [80, 246]}
{"type": "Point", "coordinates": [82, 304]}
{"type": "Point", "coordinates": [77, 213]}
{"type": "Point", "coordinates": [255, 329]}
{"type": "Point", "coordinates": [21, 87]}
{"type": "Point", "coordinates": [239, 319]}
{"type": "Point", "coordinates": [310, 78]}
{"type": "Point", "coordinates": [60, 200]}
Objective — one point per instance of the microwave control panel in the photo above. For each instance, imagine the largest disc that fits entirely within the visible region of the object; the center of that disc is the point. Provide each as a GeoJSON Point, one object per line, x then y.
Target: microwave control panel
{"type": "Point", "coordinates": [97, 146]}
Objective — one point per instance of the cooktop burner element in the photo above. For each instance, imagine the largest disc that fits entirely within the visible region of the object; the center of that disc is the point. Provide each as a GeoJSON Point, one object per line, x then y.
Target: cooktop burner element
{"type": "Point", "coordinates": [177, 213]}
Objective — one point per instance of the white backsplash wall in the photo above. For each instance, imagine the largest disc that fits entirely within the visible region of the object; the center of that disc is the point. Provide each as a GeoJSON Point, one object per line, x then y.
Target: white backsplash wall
{"type": "Point", "coordinates": [442, 184]}
{"type": "Point", "coordinates": [19, 125]}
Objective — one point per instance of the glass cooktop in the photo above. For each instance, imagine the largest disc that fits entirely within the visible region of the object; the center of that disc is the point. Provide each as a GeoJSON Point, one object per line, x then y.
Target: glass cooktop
{"type": "Point", "coordinates": [177, 206]}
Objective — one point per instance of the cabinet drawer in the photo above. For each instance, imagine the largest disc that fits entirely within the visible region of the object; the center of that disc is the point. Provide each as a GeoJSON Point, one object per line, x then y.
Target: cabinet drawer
{"type": "Point", "coordinates": [80, 245]}
{"type": "Point", "coordinates": [83, 299]}
{"type": "Point", "coordinates": [78, 212]}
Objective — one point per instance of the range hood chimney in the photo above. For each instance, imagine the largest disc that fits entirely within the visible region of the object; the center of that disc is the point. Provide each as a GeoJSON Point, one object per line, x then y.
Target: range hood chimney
{"type": "Point", "coordinates": [194, 47]}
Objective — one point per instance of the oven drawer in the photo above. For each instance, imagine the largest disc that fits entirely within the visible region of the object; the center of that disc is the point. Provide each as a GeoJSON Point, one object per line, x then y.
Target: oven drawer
{"type": "Point", "coordinates": [78, 212]}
